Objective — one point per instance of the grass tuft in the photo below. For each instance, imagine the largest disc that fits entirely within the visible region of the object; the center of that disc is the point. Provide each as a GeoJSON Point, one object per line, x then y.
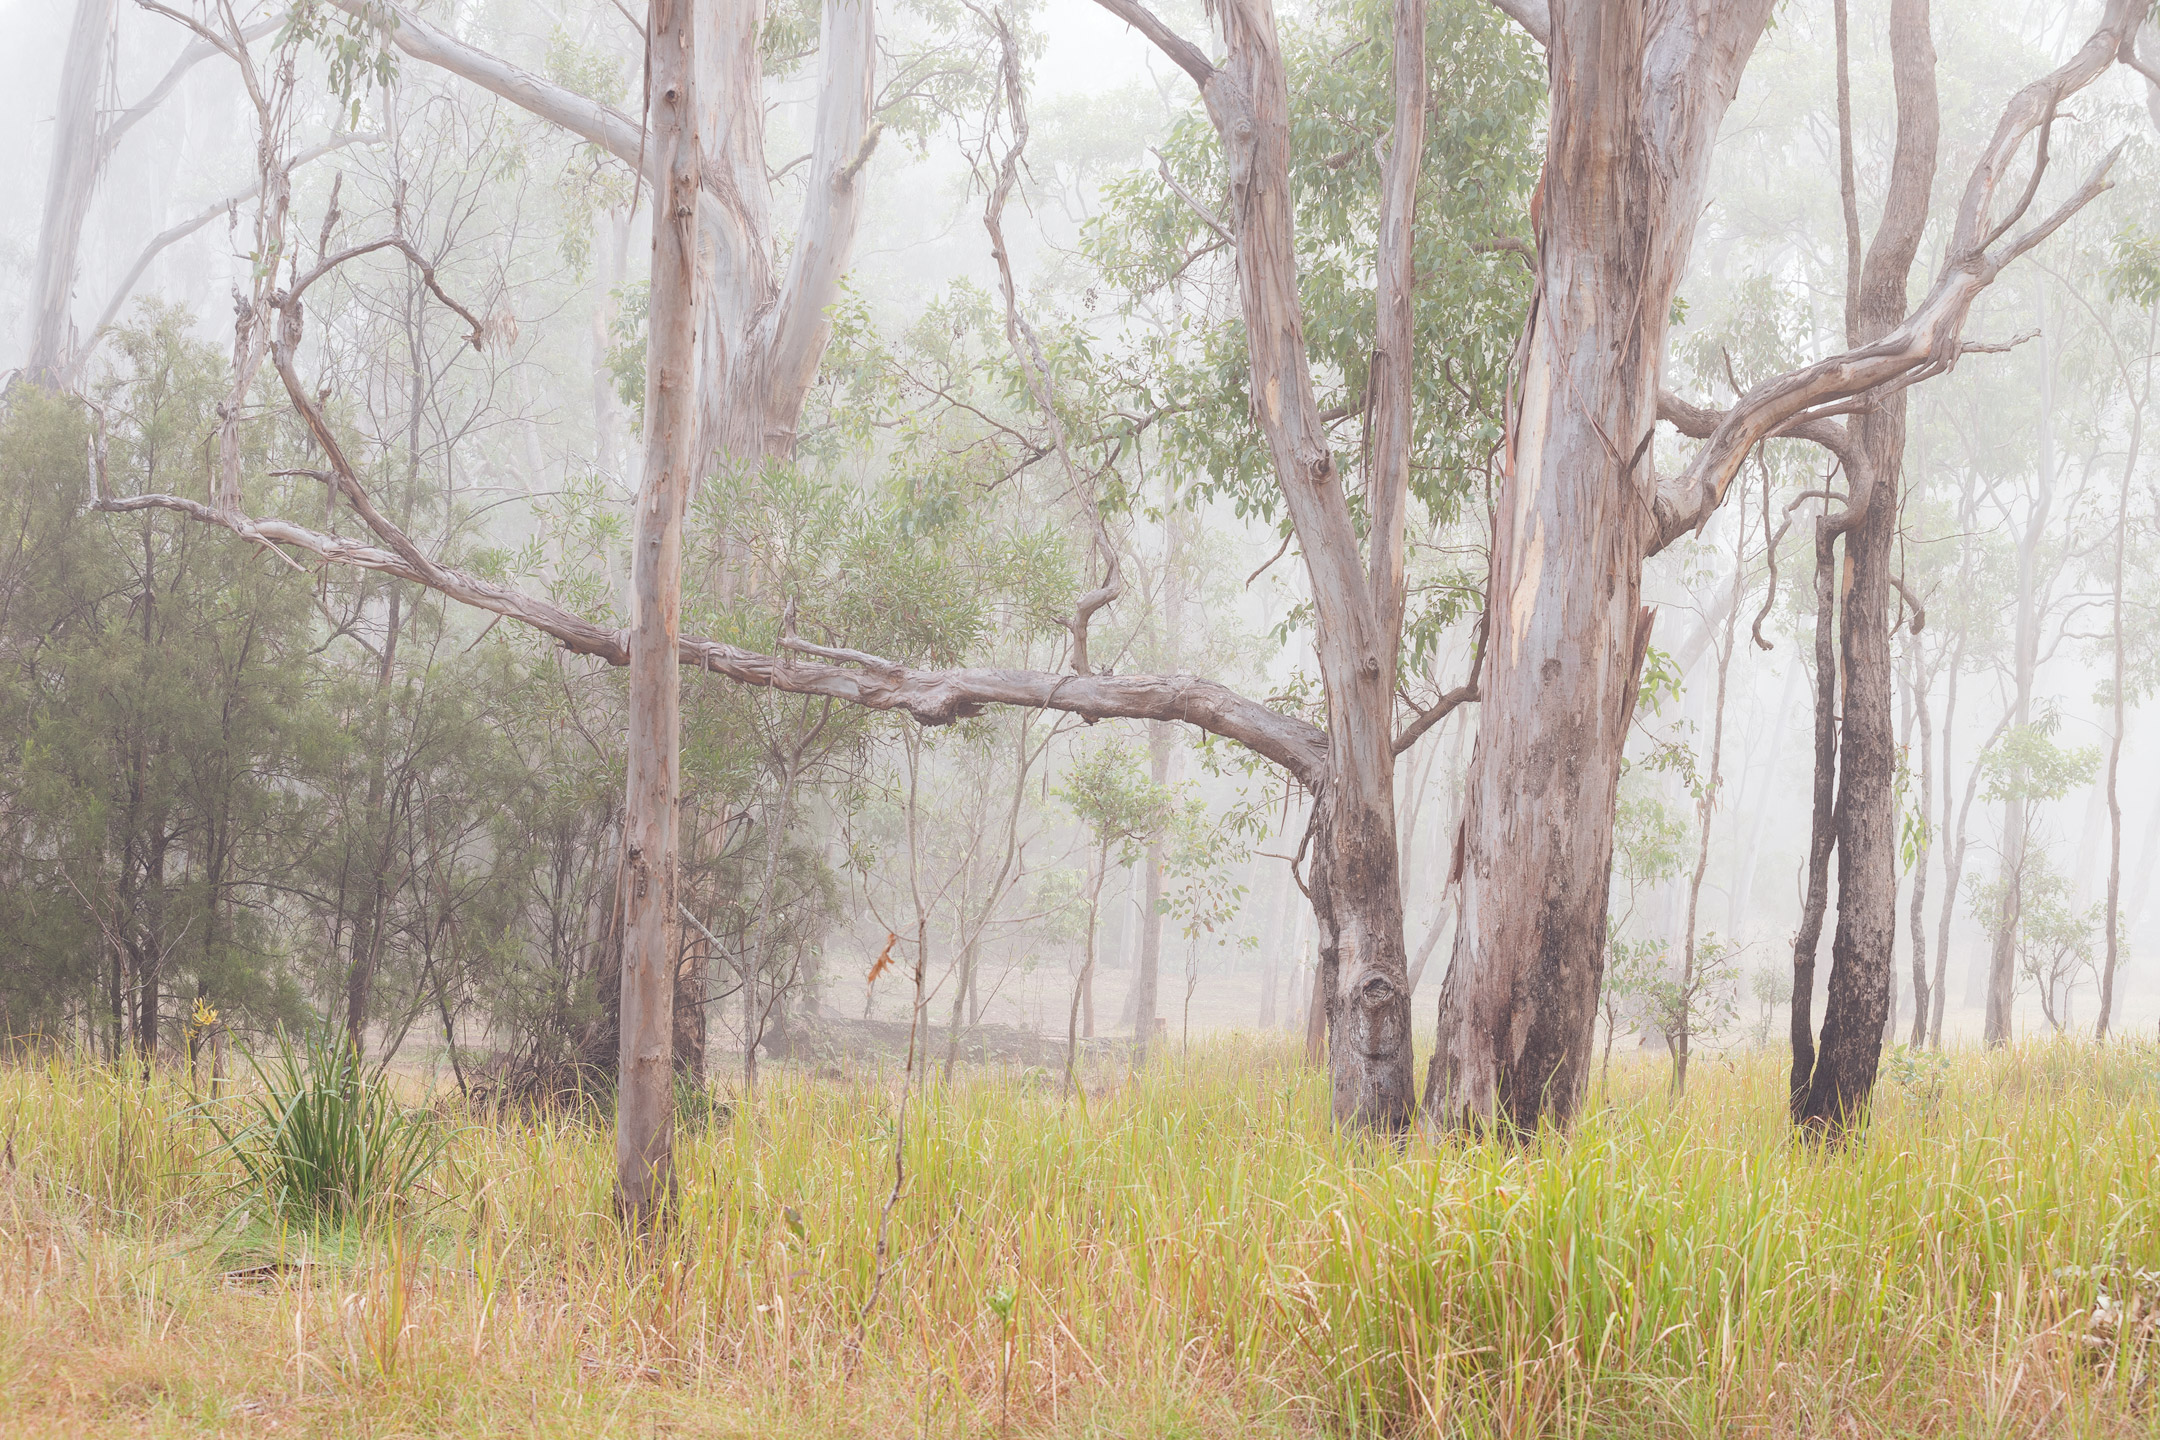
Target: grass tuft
{"type": "Point", "coordinates": [324, 1141]}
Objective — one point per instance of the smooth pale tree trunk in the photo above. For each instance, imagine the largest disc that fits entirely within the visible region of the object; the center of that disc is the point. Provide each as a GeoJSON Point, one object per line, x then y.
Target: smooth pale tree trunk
{"type": "Point", "coordinates": [2112, 916]}
{"type": "Point", "coordinates": [1743, 892]}
{"type": "Point", "coordinates": [1636, 101]}
{"type": "Point", "coordinates": [1355, 878]}
{"type": "Point", "coordinates": [1147, 978]}
{"type": "Point", "coordinates": [1163, 757]}
{"type": "Point", "coordinates": [1083, 983]}
{"type": "Point", "coordinates": [2024, 667]}
{"type": "Point", "coordinates": [70, 184]}
{"type": "Point", "coordinates": [1706, 811]}
{"type": "Point", "coordinates": [645, 1102]}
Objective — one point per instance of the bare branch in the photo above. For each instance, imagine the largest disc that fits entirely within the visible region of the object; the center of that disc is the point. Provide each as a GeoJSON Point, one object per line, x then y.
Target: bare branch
{"type": "Point", "coordinates": [1207, 216]}
{"type": "Point", "coordinates": [1919, 611]}
{"type": "Point", "coordinates": [1928, 341]}
{"type": "Point", "coordinates": [173, 236]}
{"type": "Point", "coordinates": [931, 697]}
{"type": "Point", "coordinates": [589, 120]}
{"type": "Point", "coordinates": [197, 51]}
{"type": "Point", "coordinates": [478, 333]}
{"type": "Point", "coordinates": [1447, 705]}
{"type": "Point", "coordinates": [1027, 348]}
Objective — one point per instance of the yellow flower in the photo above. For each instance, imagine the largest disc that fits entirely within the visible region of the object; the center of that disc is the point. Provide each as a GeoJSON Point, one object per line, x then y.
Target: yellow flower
{"type": "Point", "coordinates": [203, 1017]}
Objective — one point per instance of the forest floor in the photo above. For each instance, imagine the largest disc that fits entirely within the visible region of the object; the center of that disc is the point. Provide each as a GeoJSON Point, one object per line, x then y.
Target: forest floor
{"type": "Point", "coordinates": [1192, 1253]}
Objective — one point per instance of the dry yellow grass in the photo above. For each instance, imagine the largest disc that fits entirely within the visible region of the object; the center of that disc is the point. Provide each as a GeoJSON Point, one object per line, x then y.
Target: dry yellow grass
{"type": "Point", "coordinates": [1193, 1254]}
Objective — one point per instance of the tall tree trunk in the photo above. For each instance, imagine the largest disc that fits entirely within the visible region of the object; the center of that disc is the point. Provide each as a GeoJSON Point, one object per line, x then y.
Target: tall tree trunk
{"type": "Point", "coordinates": [1083, 982]}
{"type": "Point", "coordinates": [1856, 1006]}
{"type": "Point", "coordinates": [378, 841]}
{"type": "Point", "coordinates": [1147, 980]}
{"type": "Point", "coordinates": [1706, 807]}
{"type": "Point", "coordinates": [1627, 161]}
{"type": "Point", "coordinates": [69, 186]}
{"type": "Point", "coordinates": [645, 1101]}
{"type": "Point", "coordinates": [1743, 891]}
{"type": "Point", "coordinates": [150, 972]}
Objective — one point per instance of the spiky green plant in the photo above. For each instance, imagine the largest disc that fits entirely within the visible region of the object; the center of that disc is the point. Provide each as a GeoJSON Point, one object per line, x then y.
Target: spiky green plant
{"type": "Point", "coordinates": [323, 1139]}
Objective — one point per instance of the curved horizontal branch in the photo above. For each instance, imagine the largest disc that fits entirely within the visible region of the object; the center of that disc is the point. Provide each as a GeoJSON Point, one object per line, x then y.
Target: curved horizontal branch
{"type": "Point", "coordinates": [930, 697]}
{"type": "Point", "coordinates": [1447, 705]}
{"type": "Point", "coordinates": [197, 51]}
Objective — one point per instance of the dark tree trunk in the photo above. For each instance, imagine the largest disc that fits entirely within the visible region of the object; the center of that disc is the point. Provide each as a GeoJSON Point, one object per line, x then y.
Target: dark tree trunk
{"type": "Point", "coordinates": [1822, 824]}
{"type": "Point", "coordinates": [1856, 1006]}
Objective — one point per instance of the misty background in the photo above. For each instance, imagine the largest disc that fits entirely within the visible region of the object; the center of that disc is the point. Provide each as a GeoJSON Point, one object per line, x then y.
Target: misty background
{"type": "Point", "coordinates": [2016, 473]}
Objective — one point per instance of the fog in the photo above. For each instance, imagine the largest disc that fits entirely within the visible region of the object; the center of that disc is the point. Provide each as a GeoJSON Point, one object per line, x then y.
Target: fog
{"type": "Point", "coordinates": [2026, 466]}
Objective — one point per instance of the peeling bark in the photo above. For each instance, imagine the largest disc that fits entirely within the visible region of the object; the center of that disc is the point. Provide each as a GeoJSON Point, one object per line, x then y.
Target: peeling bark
{"type": "Point", "coordinates": [1636, 101]}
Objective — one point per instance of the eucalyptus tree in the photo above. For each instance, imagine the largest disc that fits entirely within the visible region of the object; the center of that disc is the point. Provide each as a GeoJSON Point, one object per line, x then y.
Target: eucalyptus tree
{"type": "Point", "coordinates": [1637, 98]}
{"type": "Point", "coordinates": [1636, 102]}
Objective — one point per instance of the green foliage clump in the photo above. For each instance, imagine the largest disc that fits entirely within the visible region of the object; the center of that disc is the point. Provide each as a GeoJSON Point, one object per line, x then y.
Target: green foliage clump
{"type": "Point", "coordinates": [326, 1141]}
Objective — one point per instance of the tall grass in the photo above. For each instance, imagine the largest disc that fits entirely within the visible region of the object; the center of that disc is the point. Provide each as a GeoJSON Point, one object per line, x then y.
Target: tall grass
{"type": "Point", "coordinates": [1193, 1254]}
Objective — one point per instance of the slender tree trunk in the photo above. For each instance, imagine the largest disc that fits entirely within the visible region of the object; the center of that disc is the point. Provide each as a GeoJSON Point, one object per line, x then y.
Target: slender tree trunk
{"type": "Point", "coordinates": [1953, 841]}
{"type": "Point", "coordinates": [1751, 853]}
{"type": "Point", "coordinates": [378, 840]}
{"type": "Point", "coordinates": [1923, 996]}
{"type": "Point", "coordinates": [1706, 807]}
{"type": "Point", "coordinates": [151, 972]}
{"type": "Point", "coordinates": [1822, 824]}
{"type": "Point", "coordinates": [2025, 664]}
{"type": "Point", "coordinates": [1147, 981]}
{"type": "Point", "coordinates": [645, 1118]}
{"type": "Point", "coordinates": [2112, 917]}
{"type": "Point", "coordinates": [1082, 982]}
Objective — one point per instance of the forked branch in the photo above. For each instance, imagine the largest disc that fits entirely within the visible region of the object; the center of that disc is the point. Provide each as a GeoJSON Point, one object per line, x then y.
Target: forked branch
{"type": "Point", "coordinates": [1929, 341]}
{"type": "Point", "coordinates": [1027, 347]}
